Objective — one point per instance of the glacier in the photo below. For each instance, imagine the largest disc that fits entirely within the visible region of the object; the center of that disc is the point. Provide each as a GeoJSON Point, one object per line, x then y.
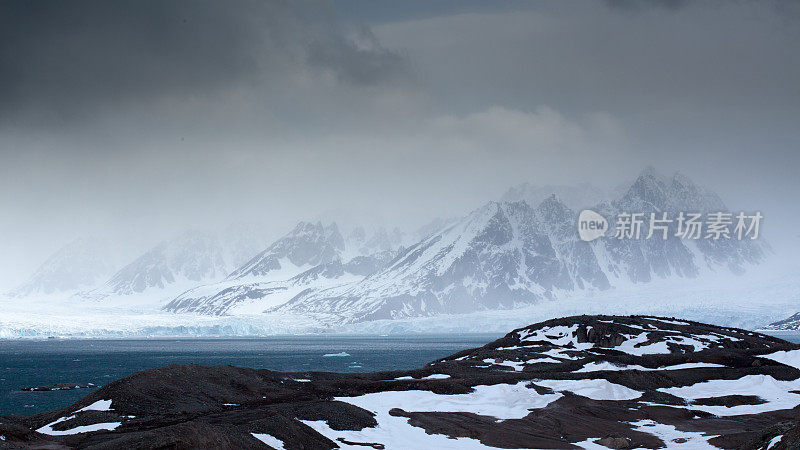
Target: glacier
{"type": "Point", "coordinates": [727, 300]}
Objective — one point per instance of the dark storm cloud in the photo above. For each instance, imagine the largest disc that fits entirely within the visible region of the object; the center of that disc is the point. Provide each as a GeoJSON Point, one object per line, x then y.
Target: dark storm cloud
{"type": "Point", "coordinates": [367, 64]}
{"type": "Point", "coordinates": [66, 58]}
{"type": "Point", "coordinates": [644, 4]}
{"type": "Point", "coordinates": [160, 115]}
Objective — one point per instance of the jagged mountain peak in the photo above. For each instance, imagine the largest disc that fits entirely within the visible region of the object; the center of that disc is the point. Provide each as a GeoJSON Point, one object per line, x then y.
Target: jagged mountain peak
{"type": "Point", "coordinates": [496, 257]}
{"type": "Point", "coordinates": [578, 196]}
{"type": "Point", "coordinates": [191, 256]}
{"type": "Point", "coordinates": [648, 193]}
{"type": "Point", "coordinates": [507, 253]}
{"type": "Point", "coordinates": [307, 245]}
{"type": "Point", "coordinates": [553, 209]}
{"type": "Point", "coordinates": [689, 197]}
{"type": "Point", "coordinates": [654, 192]}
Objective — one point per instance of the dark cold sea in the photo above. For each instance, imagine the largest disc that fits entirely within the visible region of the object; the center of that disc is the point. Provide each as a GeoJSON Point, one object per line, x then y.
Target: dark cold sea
{"type": "Point", "coordinates": [25, 363]}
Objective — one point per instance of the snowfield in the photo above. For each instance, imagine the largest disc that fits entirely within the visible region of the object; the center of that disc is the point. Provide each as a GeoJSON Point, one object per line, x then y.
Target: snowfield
{"type": "Point", "coordinates": [776, 393]}
{"type": "Point", "coordinates": [501, 401]}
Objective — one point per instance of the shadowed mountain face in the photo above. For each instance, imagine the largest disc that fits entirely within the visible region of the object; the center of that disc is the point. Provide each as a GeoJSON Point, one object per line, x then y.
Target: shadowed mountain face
{"type": "Point", "coordinates": [584, 381]}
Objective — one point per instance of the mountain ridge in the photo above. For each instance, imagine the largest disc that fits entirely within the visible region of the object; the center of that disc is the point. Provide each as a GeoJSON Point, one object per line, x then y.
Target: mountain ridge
{"type": "Point", "coordinates": [500, 256]}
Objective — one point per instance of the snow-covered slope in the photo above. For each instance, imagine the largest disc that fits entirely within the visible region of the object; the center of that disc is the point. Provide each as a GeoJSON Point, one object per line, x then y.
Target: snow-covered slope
{"type": "Point", "coordinates": [80, 264]}
{"type": "Point", "coordinates": [789, 324]}
{"type": "Point", "coordinates": [311, 256]}
{"type": "Point", "coordinates": [308, 245]}
{"type": "Point", "coordinates": [193, 257]}
{"type": "Point", "coordinates": [500, 256]}
{"type": "Point", "coordinates": [506, 254]}
{"type": "Point", "coordinates": [640, 260]}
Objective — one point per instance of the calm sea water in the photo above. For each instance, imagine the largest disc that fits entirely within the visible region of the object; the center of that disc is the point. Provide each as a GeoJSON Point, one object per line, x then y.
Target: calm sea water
{"type": "Point", "coordinates": [34, 363]}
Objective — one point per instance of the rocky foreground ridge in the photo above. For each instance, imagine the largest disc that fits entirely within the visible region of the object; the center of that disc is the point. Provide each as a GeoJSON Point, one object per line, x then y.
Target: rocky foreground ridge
{"type": "Point", "coordinates": [575, 382]}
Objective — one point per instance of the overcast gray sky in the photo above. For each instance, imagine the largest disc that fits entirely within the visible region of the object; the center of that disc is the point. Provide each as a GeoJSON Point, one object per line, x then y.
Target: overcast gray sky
{"type": "Point", "coordinates": [144, 118]}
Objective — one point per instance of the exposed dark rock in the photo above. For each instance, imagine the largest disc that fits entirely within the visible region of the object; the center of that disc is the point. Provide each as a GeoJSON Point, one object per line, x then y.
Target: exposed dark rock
{"type": "Point", "coordinates": [60, 387]}
{"type": "Point", "coordinates": [614, 442]}
{"type": "Point", "coordinates": [730, 400]}
{"type": "Point", "coordinates": [563, 383]}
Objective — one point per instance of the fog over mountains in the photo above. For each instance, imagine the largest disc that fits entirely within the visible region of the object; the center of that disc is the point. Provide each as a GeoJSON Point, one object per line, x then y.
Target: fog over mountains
{"type": "Point", "coordinates": [80, 264]}
{"type": "Point", "coordinates": [503, 255]}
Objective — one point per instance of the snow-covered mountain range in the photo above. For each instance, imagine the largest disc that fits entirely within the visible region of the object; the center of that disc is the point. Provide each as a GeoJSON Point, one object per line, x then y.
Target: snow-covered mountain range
{"type": "Point", "coordinates": [94, 269]}
{"type": "Point", "coordinates": [503, 255]}
{"type": "Point", "coordinates": [500, 256]}
{"type": "Point", "coordinates": [310, 256]}
{"type": "Point", "coordinates": [508, 254]}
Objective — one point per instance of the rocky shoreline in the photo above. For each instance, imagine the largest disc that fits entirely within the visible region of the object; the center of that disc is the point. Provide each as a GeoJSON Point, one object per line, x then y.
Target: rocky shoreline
{"type": "Point", "coordinates": [575, 382]}
{"type": "Point", "coordinates": [60, 387]}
